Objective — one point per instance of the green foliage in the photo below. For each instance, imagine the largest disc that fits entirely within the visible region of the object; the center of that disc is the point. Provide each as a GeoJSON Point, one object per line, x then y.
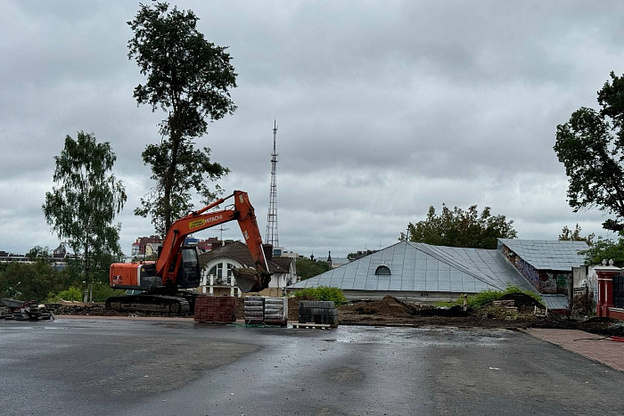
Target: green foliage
{"type": "Point", "coordinates": [591, 147]}
{"type": "Point", "coordinates": [38, 253]}
{"type": "Point", "coordinates": [307, 268]}
{"type": "Point", "coordinates": [364, 253]}
{"type": "Point", "coordinates": [322, 293]}
{"type": "Point", "coordinates": [569, 235]}
{"type": "Point", "coordinates": [459, 228]}
{"type": "Point", "coordinates": [28, 281]}
{"type": "Point", "coordinates": [482, 298]}
{"type": "Point", "coordinates": [85, 199]}
{"type": "Point", "coordinates": [605, 249]}
{"type": "Point", "coordinates": [101, 266]}
{"type": "Point", "coordinates": [99, 291]}
{"type": "Point", "coordinates": [189, 78]}
{"type": "Point", "coordinates": [102, 291]}
{"type": "Point", "coordinates": [72, 294]}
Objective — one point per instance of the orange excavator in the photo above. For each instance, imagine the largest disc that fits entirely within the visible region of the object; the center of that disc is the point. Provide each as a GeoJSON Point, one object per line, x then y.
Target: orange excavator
{"type": "Point", "coordinates": [160, 283]}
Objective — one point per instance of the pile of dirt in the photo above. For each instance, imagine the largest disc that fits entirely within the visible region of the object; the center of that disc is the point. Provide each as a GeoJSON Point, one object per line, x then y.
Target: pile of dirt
{"type": "Point", "coordinates": [390, 311]}
{"type": "Point", "coordinates": [391, 307]}
{"type": "Point", "coordinates": [522, 301]}
{"type": "Point", "coordinates": [386, 307]}
{"type": "Point", "coordinates": [240, 308]}
{"type": "Point", "coordinates": [603, 326]}
{"type": "Point", "coordinates": [293, 309]}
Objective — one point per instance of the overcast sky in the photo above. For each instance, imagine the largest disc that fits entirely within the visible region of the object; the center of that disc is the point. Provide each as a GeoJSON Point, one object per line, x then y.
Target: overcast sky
{"type": "Point", "coordinates": [383, 109]}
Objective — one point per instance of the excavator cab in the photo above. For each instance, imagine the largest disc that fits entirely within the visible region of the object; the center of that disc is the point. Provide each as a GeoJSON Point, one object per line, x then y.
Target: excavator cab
{"type": "Point", "coordinates": [189, 271]}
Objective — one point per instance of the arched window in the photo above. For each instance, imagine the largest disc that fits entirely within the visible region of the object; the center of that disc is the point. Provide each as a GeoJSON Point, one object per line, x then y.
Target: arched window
{"type": "Point", "coordinates": [221, 270]}
{"type": "Point", "coordinates": [383, 270]}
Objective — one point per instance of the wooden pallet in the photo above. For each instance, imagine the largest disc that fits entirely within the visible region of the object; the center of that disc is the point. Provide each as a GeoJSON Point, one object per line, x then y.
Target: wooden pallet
{"type": "Point", "coordinates": [310, 325]}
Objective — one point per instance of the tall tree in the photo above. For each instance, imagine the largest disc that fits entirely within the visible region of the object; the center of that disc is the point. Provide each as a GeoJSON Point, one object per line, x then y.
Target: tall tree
{"type": "Point", "coordinates": [459, 228]}
{"type": "Point", "coordinates": [591, 147]}
{"type": "Point", "coordinates": [189, 79]}
{"type": "Point", "coordinates": [85, 199]}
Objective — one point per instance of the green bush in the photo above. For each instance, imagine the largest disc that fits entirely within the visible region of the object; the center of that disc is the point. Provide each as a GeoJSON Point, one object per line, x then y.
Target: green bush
{"type": "Point", "coordinates": [322, 293]}
{"type": "Point", "coordinates": [482, 298]}
{"type": "Point", "coordinates": [100, 292]}
{"type": "Point", "coordinates": [71, 294]}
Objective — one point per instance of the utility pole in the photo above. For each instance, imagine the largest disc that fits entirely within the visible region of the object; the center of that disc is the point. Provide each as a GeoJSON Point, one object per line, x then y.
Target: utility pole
{"type": "Point", "coordinates": [271, 227]}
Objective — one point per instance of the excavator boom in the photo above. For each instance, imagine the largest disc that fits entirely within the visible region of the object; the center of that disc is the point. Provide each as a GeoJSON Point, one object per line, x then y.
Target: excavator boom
{"type": "Point", "coordinates": [243, 212]}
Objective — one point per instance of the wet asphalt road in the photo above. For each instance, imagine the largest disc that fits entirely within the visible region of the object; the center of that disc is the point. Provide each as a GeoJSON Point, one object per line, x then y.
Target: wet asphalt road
{"type": "Point", "coordinates": [118, 367]}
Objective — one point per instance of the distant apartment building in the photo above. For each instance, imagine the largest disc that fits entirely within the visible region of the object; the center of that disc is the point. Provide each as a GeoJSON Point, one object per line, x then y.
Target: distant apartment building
{"type": "Point", "coordinates": [146, 246]}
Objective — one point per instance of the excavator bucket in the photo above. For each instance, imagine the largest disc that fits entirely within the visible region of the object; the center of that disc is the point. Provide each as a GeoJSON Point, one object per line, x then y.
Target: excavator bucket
{"type": "Point", "coordinates": [250, 280]}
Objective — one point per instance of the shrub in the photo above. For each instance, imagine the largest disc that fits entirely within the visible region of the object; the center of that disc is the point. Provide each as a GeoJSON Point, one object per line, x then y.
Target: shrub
{"type": "Point", "coordinates": [322, 293]}
{"type": "Point", "coordinates": [71, 294]}
{"type": "Point", "coordinates": [100, 292]}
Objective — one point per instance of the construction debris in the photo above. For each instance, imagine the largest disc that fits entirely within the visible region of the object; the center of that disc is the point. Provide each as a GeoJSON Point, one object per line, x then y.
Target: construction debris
{"type": "Point", "coordinates": [20, 310]}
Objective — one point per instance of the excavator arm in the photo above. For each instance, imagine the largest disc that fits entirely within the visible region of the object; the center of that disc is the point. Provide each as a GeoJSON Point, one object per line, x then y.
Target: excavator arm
{"type": "Point", "coordinates": [242, 211]}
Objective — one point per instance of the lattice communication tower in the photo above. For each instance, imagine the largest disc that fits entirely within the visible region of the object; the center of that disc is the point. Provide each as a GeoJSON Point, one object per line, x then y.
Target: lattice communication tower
{"type": "Point", "coordinates": [271, 226]}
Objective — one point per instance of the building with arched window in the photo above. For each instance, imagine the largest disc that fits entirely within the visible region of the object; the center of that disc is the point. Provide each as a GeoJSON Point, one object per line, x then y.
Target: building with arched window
{"type": "Point", "coordinates": [420, 272]}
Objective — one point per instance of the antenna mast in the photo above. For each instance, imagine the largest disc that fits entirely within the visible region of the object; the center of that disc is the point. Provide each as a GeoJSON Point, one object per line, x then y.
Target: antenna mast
{"type": "Point", "coordinates": [271, 227]}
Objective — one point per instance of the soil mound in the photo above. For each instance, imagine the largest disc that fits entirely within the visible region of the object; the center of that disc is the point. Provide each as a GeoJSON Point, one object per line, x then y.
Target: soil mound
{"type": "Point", "coordinates": [387, 307]}
{"type": "Point", "coordinates": [603, 326]}
{"type": "Point", "coordinates": [521, 300]}
{"type": "Point", "coordinates": [391, 307]}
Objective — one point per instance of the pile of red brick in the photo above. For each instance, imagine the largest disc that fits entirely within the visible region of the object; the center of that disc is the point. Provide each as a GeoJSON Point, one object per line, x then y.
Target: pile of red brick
{"type": "Point", "coordinates": [215, 310]}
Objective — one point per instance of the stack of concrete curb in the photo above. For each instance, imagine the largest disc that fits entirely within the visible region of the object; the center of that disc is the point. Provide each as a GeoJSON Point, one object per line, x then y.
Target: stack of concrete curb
{"type": "Point", "coordinates": [266, 310]}
{"type": "Point", "coordinates": [276, 311]}
{"type": "Point", "coordinates": [254, 310]}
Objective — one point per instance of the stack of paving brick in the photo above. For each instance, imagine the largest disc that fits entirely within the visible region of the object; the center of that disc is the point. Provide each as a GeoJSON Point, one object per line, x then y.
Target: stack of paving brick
{"type": "Point", "coordinates": [318, 312]}
{"type": "Point", "coordinates": [266, 310]}
{"type": "Point", "coordinates": [215, 310]}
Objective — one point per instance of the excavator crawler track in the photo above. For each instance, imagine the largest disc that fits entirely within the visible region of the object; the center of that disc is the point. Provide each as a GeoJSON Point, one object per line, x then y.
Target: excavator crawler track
{"type": "Point", "coordinates": [150, 303]}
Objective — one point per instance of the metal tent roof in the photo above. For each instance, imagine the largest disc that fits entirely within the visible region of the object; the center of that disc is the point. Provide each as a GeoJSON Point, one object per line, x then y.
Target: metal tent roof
{"type": "Point", "coordinates": [548, 255]}
{"type": "Point", "coordinates": [419, 267]}
{"type": "Point", "coordinates": [555, 301]}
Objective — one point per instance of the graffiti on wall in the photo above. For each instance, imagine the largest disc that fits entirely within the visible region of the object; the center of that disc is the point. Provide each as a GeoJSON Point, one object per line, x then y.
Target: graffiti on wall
{"type": "Point", "coordinates": [544, 281]}
{"type": "Point", "coordinates": [527, 271]}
